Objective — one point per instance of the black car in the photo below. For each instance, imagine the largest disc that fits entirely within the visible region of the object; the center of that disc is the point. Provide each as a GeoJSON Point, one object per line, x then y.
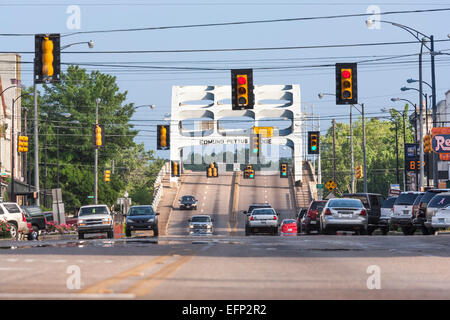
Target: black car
{"type": "Point", "coordinates": [254, 206]}
{"type": "Point", "coordinates": [372, 202]}
{"type": "Point", "coordinates": [188, 202]}
{"type": "Point", "coordinates": [141, 218]}
{"type": "Point", "coordinates": [421, 217]}
{"type": "Point", "coordinates": [36, 217]}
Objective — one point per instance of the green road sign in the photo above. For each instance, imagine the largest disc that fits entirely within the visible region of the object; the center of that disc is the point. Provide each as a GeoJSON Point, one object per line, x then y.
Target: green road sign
{"type": "Point", "coordinates": [319, 186]}
{"type": "Point", "coordinates": [90, 197]}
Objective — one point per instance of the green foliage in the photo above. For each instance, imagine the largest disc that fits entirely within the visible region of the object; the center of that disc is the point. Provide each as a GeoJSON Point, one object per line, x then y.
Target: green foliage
{"type": "Point", "coordinates": [70, 139]}
{"type": "Point", "coordinates": [380, 152]}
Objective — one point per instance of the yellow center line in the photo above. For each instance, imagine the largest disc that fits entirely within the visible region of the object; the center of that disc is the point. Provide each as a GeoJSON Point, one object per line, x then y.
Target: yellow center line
{"type": "Point", "coordinates": [144, 287]}
{"type": "Point", "coordinates": [104, 285]}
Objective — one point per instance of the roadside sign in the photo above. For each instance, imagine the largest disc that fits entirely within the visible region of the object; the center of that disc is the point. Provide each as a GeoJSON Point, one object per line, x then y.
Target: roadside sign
{"type": "Point", "coordinates": [330, 185]}
{"type": "Point", "coordinates": [394, 192]}
{"type": "Point", "coordinates": [90, 197]}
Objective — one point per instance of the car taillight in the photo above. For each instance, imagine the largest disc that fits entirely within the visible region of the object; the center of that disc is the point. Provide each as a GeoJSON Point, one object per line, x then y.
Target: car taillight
{"type": "Point", "coordinates": [23, 218]}
{"type": "Point", "coordinates": [251, 218]}
{"type": "Point", "coordinates": [363, 212]}
{"type": "Point", "coordinates": [328, 212]}
{"type": "Point", "coordinates": [274, 217]}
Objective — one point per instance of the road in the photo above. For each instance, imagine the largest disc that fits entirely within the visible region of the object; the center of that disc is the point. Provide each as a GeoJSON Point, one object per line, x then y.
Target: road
{"type": "Point", "coordinates": [223, 267]}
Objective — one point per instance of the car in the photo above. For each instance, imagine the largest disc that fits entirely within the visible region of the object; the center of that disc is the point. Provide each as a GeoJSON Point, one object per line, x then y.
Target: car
{"type": "Point", "coordinates": [402, 212]}
{"type": "Point", "coordinates": [346, 214]}
{"type": "Point", "coordinates": [440, 200]}
{"type": "Point", "coordinates": [372, 202]}
{"type": "Point", "coordinates": [11, 213]}
{"type": "Point", "coordinates": [386, 211]}
{"type": "Point", "coordinates": [421, 217]}
{"type": "Point", "coordinates": [310, 221]}
{"type": "Point", "coordinates": [201, 225]}
{"type": "Point", "coordinates": [256, 206]}
{"type": "Point", "coordinates": [441, 220]}
{"type": "Point", "coordinates": [95, 219]}
{"type": "Point", "coordinates": [262, 219]}
{"type": "Point", "coordinates": [289, 227]}
{"type": "Point", "coordinates": [141, 218]}
{"type": "Point", "coordinates": [416, 206]}
{"type": "Point", "coordinates": [188, 202]}
{"type": "Point", "coordinates": [35, 216]}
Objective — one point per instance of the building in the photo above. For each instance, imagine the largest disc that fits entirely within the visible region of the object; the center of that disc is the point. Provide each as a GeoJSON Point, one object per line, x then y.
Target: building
{"type": "Point", "coordinates": [10, 90]}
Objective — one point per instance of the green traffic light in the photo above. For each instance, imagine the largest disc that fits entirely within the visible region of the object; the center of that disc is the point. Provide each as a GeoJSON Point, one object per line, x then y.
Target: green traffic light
{"type": "Point", "coordinates": [284, 173]}
{"type": "Point", "coordinates": [251, 176]}
{"type": "Point", "coordinates": [313, 148]}
{"type": "Point", "coordinates": [255, 150]}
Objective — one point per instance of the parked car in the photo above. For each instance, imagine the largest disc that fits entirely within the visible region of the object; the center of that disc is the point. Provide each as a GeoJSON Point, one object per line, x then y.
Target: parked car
{"type": "Point", "coordinates": [402, 214]}
{"type": "Point", "coordinates": [386, 211]}
{"type": "Point", "coordinates": [372, 202]}
{"type": "Point", "coordinates": [70, 220]}
{"type": "Point", "coordinates": [289, 227]}
{"type": "Point", "coordinates": [188, 202]}
{"type": "Point", "coordinates": [346, 214]}
{"type": "Point", "coordinates": [262, 219]}
{"type": "Point", "coordinates": [11, 213]}
{"type": "Point", "coordinates": [416, 206]}
{"type": "Point", "coordinates": [141, 218]}
{"type": "Point", "coordinates": [310, 221]}
{"type": "Point", "coordinates": [441, 220]}
{"type": "Point", "coordinates": [201, 225]}
{"type": "Point", "coordinates": [421, 217]}
{"type": "Point", "coordinates": [35, 216]}
{"type": "Point", "coordinates": [95, 219]}
{"type": "Point", "coordinates": [440, 200]}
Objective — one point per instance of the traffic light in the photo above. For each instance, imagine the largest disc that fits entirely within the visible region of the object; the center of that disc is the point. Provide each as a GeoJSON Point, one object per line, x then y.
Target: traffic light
{"type": "Point", "coordinates": [359, 172]}
{"type": "Point", "coordinates": [242, 96]}
{"type": "Point", "coordinates": [47, 58]}
{"type": "Point", "coordinates": [283, 170]}
{"type": "Point", "coordinates": [427, 148]}
{"type": "Point", "coordinates": [212, 171]}
{"type": "Point", "coordinates": [255, 144]}
{"type": "Point", "coordinates": [313, 142]}
{"type": "Point", "coordinates": [98, 135]}
{"type": "Point", "coordinates": [163, 137]}
{"type": "Point", "coordinates": [22, 145]}
{"type": "Point", "coordinates": [107, 175]}
{"type": "Point", "coordinates": [175, 169]}
{"type": "Point", "coordinates": [346, 83]}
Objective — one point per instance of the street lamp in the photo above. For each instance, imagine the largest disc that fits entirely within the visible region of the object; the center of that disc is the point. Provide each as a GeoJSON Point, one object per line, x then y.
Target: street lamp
{"type": "Point", "coordinates": [89, 43]}
{"type": "Point", "coordinates": [423, 42]}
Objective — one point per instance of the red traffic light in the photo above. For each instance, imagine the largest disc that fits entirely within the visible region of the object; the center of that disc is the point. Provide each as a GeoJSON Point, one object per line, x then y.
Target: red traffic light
{"type": "Point", "coordinates": [241, 80]}
{"type": "Point", "coordinates": [346, 74]}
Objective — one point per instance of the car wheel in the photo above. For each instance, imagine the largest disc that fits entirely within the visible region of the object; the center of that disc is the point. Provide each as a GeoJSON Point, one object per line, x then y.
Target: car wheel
{"type": "Point", "coordinates": [425, 231]}
{"type": "Point", "coordinates": [80, 235]}
{"type": "Point", "coordinates": [13, 230]}
{"type": "Point", "coordinates": [247, 232]}
{"type": "Point", "coordinates": [128, 232]}
{"type": "Point", "coordinates": [275, 231]}
{"type": "Point", "coordinates": [155, 232]}
{"type": "Point", "coordinates": [110, 234]}
{"type": "Point", "coordinates": [384, 231]}
{"type": "Point", "coordinates": [307, 229]}
{"type": "Point", "coordinates": [370, 230]}
{"type": "Point", "coordinates": [363, 232]}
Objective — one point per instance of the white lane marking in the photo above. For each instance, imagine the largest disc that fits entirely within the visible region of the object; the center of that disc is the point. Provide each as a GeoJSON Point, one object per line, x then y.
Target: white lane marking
{"type": "Point", "coordinates": [201, 210]}
{"type": "Point", "coordinates": [13, 268]}
{"type": "Point", "coordinates": [204, 198]}
{"type": "Point", "coordinates": [28, 260]}
{"type": "Point", "coordinates": [107, 261]}
{"type": "Point", "coordinates": [58, 261]}
{"type": "Point", "coordinates": [12, 260]}
{"type": "Point", "coordinates": [67, 296]}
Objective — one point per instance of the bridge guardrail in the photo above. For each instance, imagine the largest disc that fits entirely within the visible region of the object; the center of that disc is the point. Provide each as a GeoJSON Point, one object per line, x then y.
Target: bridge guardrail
{"type": "Point", "coordinates": [158, 186]}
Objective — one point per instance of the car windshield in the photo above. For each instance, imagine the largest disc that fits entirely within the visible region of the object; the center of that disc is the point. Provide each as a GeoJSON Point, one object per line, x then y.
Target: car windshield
{"type": "Point", "coordinates": [201, 219]}
{"type": "Point", "coordinates": [140, 211]}
{"type": "Point", "coordinates": [187, 198]}
{"type": "Point", "coordinates": [429, 195]}
{"type": "Point", "coordinates": [289, 221]}
{"type": "Point", "coordinates": [317, 205]}
{"type": "Point", "coordinates": [12, 207]}
{"type": "Point", "coordinates": [345, 203]}
{"type": "Point", "coordinates": [359, 197]}
{"type": "Point", "coordinates": [86, 211]}
{"type": "Point", "coordinates": [406, 199]}
{"type": "Point", "coordinates": [388, 203]}
{"type": "Point", "coordinates": [439, 201]}
{"type": "Point", "coordinates": [262, 211]}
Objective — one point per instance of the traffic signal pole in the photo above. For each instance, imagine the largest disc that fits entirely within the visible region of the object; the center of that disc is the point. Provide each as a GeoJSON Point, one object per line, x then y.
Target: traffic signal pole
{"type": "Point", "coordinates": [352, 165]}
{"type": "Point", "coordinates": [36, 147]}
{"type": "Point", "coordinates": [96, 158]}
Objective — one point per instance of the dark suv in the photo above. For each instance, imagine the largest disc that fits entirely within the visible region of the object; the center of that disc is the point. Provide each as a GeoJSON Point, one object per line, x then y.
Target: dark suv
{"type": "Point", "coordinates": [36, 217]}
{"type": "Point", "coordinates": [421, 217]}
{"type": "Point", "coordinates": [188, 202]}
{"type": "Point", "coordinates": [372, 202]}
{"type": "Point", "coordinates": [309, 221]}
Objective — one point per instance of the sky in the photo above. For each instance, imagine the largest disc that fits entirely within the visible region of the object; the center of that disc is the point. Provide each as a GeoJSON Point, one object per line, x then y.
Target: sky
{"type": "Point", "coordinates": [377, 81]}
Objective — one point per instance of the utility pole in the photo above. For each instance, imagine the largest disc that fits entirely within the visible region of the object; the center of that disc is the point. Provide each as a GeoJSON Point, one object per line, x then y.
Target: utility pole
{"type": "Point", "coordinates": [96, 157]}
{"type": "Point", "coordinates": [364, 146]}
{"type": "Point", "coordinates": [352, 186]}
{"type": "Point", "coordinates": [334, 149]}
{"type": "Point", "coordinates": [319, 166]}
{"type": "Point", "coordinates": [36, 146]}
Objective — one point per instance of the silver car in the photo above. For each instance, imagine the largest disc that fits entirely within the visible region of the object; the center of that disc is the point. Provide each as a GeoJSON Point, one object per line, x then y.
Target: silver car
{"type": "Point", "coordinates": [262, 219]}
{"type": "Point", "coordinates": [95, 219]}
{"type": "Point", "coordinates": [201, 225]}
{"type": "Point", "coordinates": [440, 200]}
{"type": "Point", "coordinates": [344, 214]}
{"type": "Point", "coordinates": [441, 219]}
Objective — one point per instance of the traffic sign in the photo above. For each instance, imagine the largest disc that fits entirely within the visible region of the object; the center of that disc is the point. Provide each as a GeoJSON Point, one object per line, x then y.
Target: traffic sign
{"type": "Point", "coordinates": [319, 186]}
{"type": "Point", "coordinates": [90, 197]}
{"type": "Point", "coordinates": [330, 185]}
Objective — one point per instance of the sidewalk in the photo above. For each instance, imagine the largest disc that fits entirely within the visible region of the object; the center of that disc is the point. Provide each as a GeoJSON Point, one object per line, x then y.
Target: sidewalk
{"type": "Point", "coordinates": [165, 206]}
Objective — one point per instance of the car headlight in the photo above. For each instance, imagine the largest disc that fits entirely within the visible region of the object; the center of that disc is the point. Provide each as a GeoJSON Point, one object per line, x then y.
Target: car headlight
{"type": "Point", "coordinates": [191, 227]}
{"type": "Point", "coordinates": [80, 221]}
{"type": "Point", "coordinates": [107, 220]}
{"type": "Point", "coordinates": [209, 226]}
